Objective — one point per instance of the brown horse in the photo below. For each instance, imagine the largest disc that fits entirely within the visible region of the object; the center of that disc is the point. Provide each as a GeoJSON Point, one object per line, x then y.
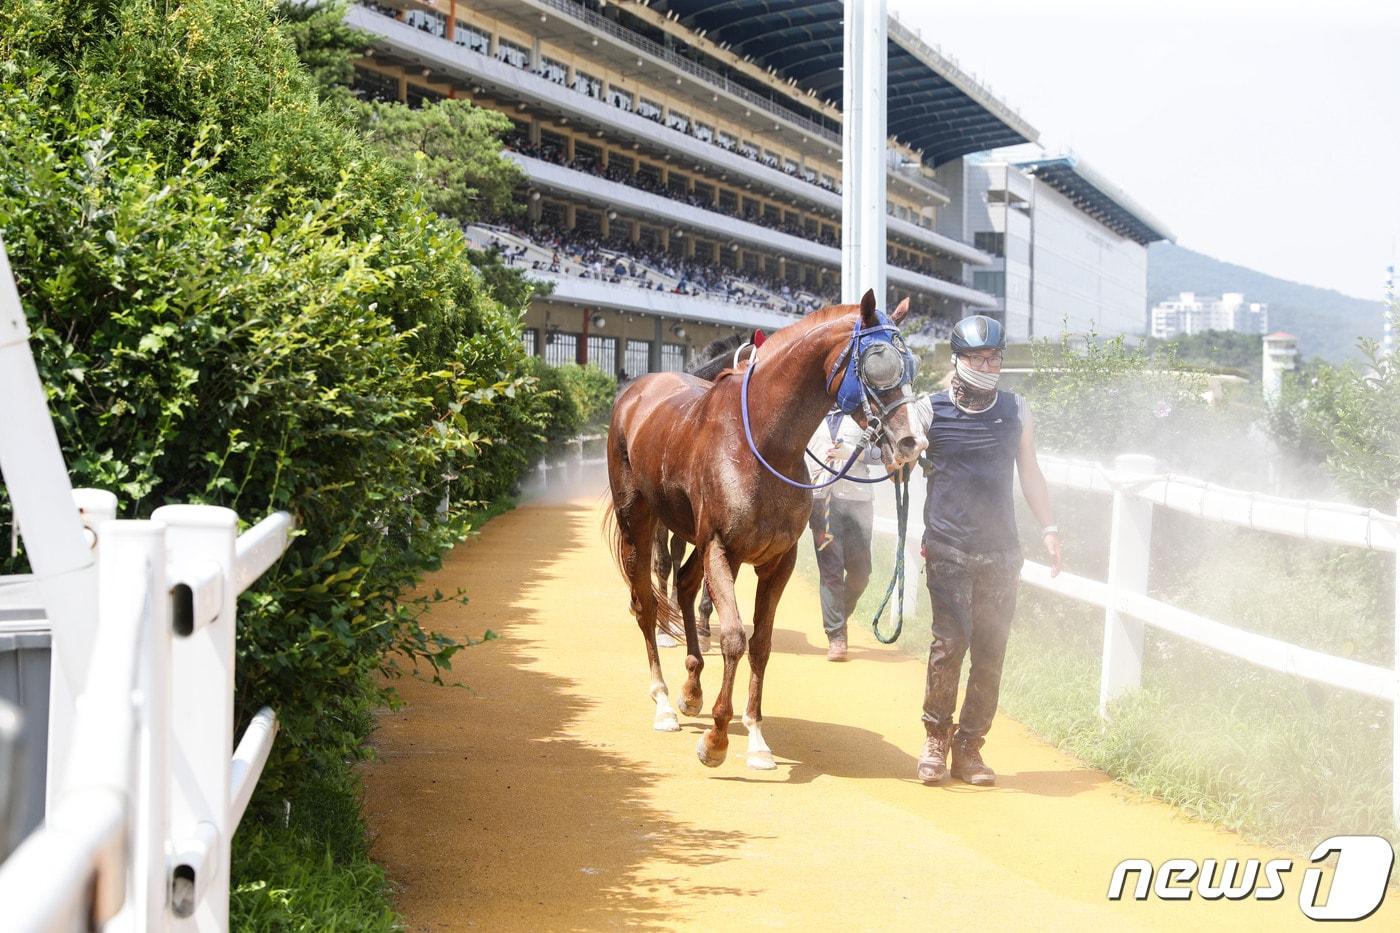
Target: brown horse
{"type": "Point", "coordinates": [668, 550]}
{"type": "Point", "coordinates": [678, 457]}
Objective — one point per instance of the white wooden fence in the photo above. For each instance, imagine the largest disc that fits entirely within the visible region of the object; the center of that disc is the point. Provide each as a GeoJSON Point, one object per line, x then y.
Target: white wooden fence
{"type": "Point", "coordinates": [568, 459]}
{"type": "Point", "coordinates": [1137, 489]}
{"type": "Point", "coordinates": [145, 788]}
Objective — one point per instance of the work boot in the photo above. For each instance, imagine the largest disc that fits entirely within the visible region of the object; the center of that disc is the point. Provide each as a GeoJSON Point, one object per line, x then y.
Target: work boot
{"type": "Point", "coordinates": [836, 650]}
{"type": "Point", "coordinates": [933, 761]}
{"type": "Point", "coordinates": [968, 765]}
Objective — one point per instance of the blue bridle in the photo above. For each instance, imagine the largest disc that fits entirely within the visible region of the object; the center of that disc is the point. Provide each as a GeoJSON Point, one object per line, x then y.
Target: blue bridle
{"type": "Point", "coordinates": [854, 393]}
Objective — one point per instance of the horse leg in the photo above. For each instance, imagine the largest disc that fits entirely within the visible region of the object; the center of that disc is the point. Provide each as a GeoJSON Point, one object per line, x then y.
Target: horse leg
{"type": "Point", "coordinates": [662, 563]}
{"type": "Point", "coordinates": [689, 577]}
{"type": "Point", "coordinates": [714, 744]}
{"type": "Point", "coordinates": [637, 531]}
{"type": "Point", "coordinates": [677, 557]}
{"type": "Point", "coordinates": [772, 579]}
{"type": "Point", "coordinates": [661, 555]}
{"type": "Point", "coordinates": [707, 609]}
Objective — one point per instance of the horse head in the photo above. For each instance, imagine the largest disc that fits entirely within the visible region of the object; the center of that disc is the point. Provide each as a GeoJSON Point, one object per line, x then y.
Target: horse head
{"type": "Point", "coordinates": [872, 381]}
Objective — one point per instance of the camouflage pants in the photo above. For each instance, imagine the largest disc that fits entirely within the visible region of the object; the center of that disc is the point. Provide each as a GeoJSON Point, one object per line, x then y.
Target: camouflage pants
{"type": "Point", "coordinates": [974, 599]}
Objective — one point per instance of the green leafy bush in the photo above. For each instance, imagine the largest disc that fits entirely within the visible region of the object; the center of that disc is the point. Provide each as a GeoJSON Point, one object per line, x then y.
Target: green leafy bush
{"type": "Point", "coordinates": [235, 300]}
{"type": "Point", "coordinates": [1106, 398]}
{"type": "Point", "coordinates": [592, 391]}
{"type": "Point", "coordinates": [576, 397]}
{"type": "Point", "coordinates": [1348, 420]}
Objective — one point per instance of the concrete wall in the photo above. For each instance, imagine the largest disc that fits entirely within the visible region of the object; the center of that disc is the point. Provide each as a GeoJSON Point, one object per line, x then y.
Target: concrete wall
{"type": "Point", "coordinates": [1086, 276]}
{"type": "Point", "coordinates": [988, 209]}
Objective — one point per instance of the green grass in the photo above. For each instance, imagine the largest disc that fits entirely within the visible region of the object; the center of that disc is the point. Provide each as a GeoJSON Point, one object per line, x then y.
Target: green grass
{"type": "Point", "coordinates": [313, 872]}
{"type": "Point", "coordinates": [1282, 761]}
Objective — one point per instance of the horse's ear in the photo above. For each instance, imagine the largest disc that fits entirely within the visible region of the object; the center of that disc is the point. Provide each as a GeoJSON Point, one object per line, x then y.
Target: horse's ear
{"type": "Point", "coordinates": [867, 308]}
{"type": "Point", "coordinates": [900, 311]}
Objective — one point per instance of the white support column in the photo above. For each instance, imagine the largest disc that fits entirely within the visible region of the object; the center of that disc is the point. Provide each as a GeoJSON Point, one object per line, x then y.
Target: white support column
{"type": "Point", "coordinates": [202, 731]}
{"type": "Point", "coordinates": [863, 151]}
{"type": "Point", "coordinates": [1130, 547]}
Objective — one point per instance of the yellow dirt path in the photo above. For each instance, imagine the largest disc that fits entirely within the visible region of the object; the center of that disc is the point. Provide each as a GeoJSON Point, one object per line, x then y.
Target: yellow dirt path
{"type": "Point", "coordinates": [539, 798]}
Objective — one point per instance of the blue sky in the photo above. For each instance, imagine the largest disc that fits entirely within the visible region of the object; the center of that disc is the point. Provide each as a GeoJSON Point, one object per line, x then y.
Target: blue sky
{"type": "Point", "coordinates": [1263, 132]}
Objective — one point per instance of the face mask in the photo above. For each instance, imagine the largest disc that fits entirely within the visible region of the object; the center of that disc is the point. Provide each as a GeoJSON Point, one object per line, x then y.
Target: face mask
{"type": "Point", "coordinates": [975, 378]}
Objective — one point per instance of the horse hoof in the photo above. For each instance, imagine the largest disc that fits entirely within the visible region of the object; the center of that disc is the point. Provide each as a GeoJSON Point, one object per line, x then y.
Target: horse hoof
{"type": "Point", "coordinates": [666, 722]}
{"type": "Point", "coordinates": [761, 761]}
{"type": "Point", "coordinates": [706, 759]}
{"type": "Point", "coordinates": [705, 644]}
{"type": "Point", "coordinates": [691, 709]}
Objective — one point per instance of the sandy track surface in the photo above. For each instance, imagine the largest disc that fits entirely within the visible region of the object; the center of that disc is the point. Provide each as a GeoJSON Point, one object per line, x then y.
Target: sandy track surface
{"type": "Point", "coordinates": [537, 797]}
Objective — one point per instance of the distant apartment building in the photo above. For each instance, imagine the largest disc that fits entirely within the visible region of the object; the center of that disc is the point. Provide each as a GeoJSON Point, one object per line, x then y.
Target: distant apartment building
{"type": "Point", "coordinates": [1188, 314]}
{"type": "Point", "coordinates": [1069, 248]}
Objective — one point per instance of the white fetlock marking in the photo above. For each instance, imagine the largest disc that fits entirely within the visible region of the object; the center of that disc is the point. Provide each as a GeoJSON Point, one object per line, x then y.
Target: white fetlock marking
{"type": "Point", "coordinates": [760, 756]}
{"type": "Point", "coordinates": [665, 719]}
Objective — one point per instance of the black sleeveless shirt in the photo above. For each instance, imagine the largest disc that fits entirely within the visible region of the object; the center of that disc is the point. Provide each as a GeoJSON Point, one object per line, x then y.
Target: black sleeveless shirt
{"type": "Point", "coordinates": [969, 504]}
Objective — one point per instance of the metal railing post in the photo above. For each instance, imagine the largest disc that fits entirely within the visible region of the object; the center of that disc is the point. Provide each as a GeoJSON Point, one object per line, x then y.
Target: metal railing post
{"type": "Point", "coordinates": [1130, 546]}
{"type": "Point", "coordinates": [202, 537]}
{"type": "Point", "coordinates": [1395, 704]}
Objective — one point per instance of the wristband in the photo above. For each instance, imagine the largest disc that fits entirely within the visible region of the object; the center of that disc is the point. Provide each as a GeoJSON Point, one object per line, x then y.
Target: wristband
{"type": "Point", "coordinates": [1050, 530]}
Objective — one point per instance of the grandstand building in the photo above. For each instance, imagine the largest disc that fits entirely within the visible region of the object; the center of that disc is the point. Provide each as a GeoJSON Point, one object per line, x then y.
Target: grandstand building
{"type": "Point", "coordinates": [1069, 248]}
{"type": "Point", "coordinates": [683, 160]}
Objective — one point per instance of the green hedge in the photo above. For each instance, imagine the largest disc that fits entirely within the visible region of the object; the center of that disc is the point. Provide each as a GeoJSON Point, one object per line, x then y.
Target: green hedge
{"type": "Point", "coordinates": [579, 398]}
{"type": "Point", "coordinates": [236, 300]}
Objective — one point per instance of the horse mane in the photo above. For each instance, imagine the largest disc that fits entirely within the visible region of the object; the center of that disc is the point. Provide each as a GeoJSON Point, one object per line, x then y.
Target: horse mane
{"type": "Point", "coordinates": [717, 356]}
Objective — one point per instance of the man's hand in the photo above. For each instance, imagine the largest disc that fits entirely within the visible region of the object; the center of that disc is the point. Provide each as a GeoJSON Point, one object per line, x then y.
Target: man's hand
{"type": "Point", "coordinates": [1052, 545]}
{"type": "Point", "coordinates": [834, 452]}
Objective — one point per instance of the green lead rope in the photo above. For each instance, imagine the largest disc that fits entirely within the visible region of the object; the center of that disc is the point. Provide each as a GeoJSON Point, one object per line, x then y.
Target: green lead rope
{"type": "Point", "coordinates": [901, 504]}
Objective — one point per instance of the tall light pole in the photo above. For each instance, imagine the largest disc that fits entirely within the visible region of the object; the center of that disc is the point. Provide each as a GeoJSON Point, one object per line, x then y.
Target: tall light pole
{"type": "Point", "coordinates": [1388, 333]}
{"type": "Point", "coordinates": [864, 153]}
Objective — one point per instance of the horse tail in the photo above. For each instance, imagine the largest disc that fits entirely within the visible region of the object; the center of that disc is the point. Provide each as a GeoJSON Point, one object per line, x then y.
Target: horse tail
{"type": "Point", "coordinates": [613, 532]}
{"type": "Point", "coordinates": [668, 617]}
